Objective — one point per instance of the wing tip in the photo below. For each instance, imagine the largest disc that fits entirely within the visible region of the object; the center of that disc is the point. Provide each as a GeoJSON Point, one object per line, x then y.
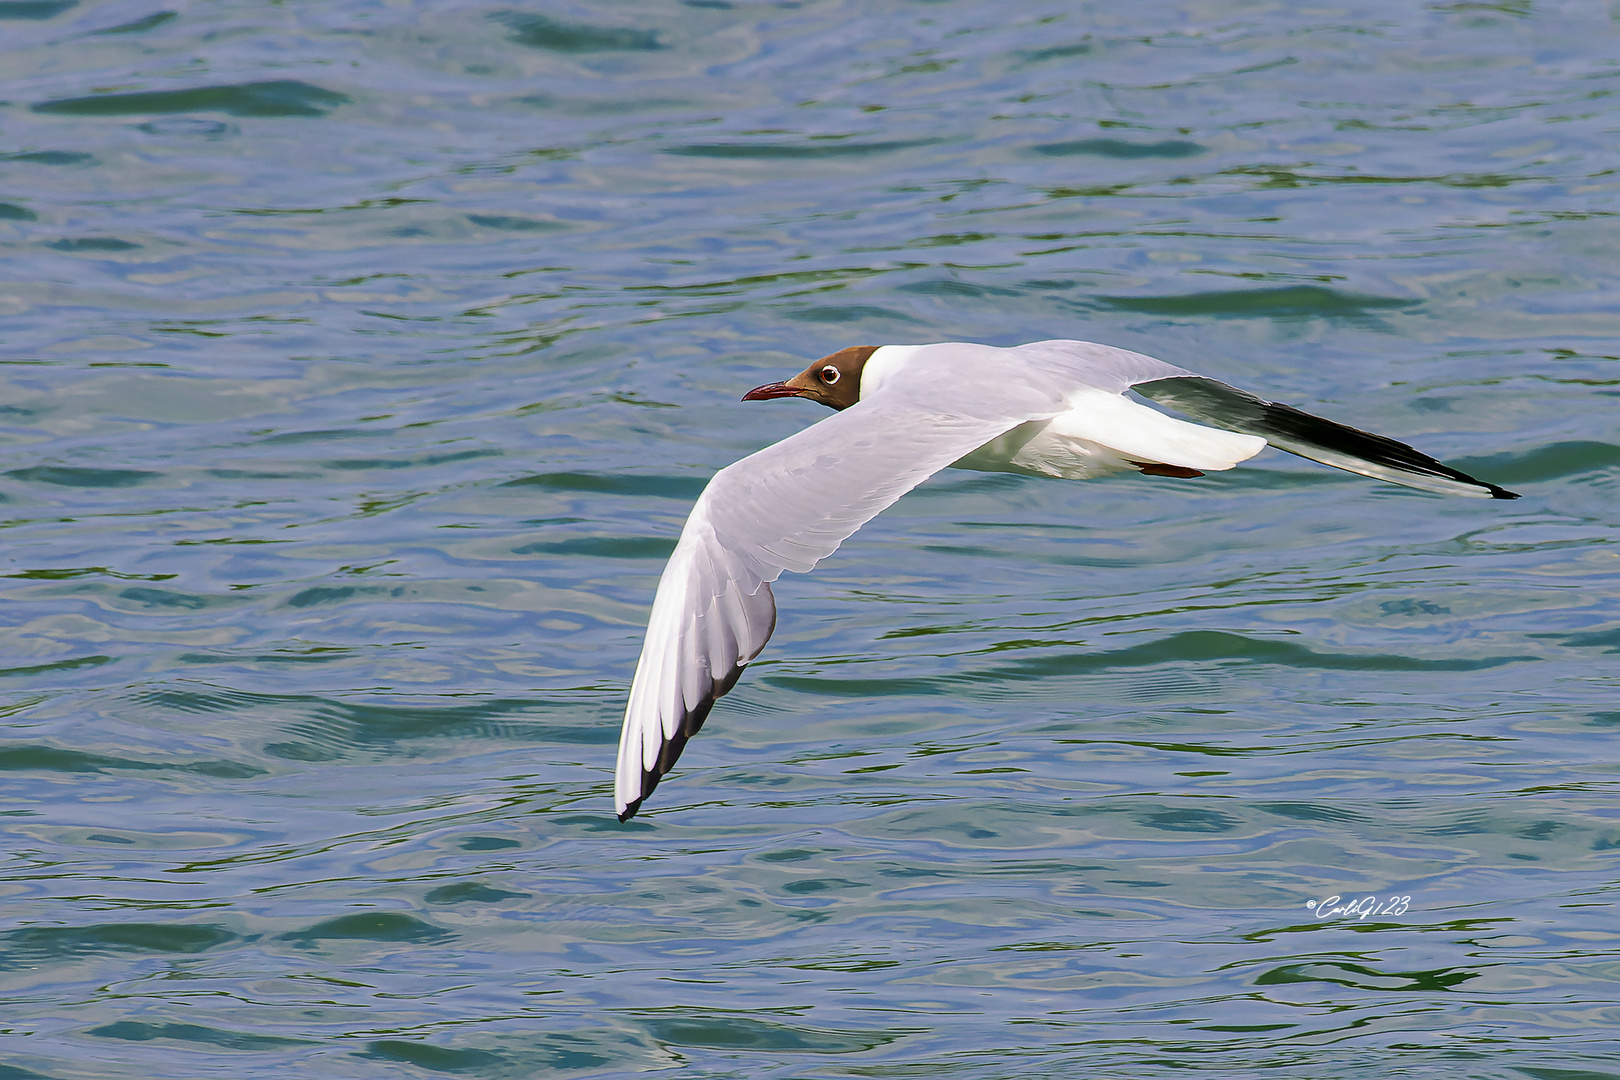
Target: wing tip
{"type": "Point", "coordinates": [1483, 489]}
{"type": "Point", "coordinates": [635, 804]}
{"type": "Point", "coordinates": [672, 746]}
{"type": "Point", "coordinates": [650, 777]}
{"type": "Point", "coordinates": [1437, 478]}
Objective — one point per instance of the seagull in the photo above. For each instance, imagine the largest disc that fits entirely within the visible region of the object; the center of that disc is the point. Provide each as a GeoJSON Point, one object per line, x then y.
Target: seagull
{"type": "Point", "coordinates": [901, 414]}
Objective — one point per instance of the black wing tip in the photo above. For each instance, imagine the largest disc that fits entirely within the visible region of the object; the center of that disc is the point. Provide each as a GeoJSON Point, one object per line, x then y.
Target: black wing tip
{"type": "Point", "coordinates": [1490, 489]}
{"type": "Point", "coordinates": [691, 724]}
{"type": "Point", "coordinates": [1439, 469]}
{"type": "Point", "coordinates": [1431, 467]}
{"type": "Point", "coordinates": [666, 758]}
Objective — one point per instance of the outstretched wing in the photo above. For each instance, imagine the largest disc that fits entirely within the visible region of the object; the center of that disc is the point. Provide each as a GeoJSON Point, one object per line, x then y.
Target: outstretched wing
{"type": "Point", "coordinates": [785, 508]}
{"type": "Point", "coordinates": [1287, 428]}
{"type": "Point", "coordinates": [1283, 426]}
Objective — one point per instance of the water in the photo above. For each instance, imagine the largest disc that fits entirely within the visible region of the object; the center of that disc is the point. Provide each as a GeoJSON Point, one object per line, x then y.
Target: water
{"type": "Point", "coordinates": [362, 360]}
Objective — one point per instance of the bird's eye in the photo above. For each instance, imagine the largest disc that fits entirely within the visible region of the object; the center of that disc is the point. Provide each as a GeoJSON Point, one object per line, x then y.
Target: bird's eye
{"type": "Point", "coordinates": [829, 374]}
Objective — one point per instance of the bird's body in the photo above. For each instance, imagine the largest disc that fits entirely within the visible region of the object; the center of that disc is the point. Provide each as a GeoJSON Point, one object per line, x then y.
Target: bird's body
{"type": "Point", "coordinates": [1097, 431]}
{"type": "Point", "coordinates": [1050, 408]}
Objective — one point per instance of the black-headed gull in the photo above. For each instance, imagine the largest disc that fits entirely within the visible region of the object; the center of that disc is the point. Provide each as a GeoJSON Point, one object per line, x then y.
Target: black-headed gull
{"type": "Point", "coordinates": [1050, 408]}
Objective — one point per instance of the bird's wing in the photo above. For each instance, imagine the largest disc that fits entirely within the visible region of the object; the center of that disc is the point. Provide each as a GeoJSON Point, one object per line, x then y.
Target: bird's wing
{"type": "Point", "coordinates": [1287, 428]}
{"type": "Point", "coordinates": [1086, 364]}
{"type": "Point", "coordinates": [785, 508]}
{"type": "Point", "coordinates": [1283, 426]}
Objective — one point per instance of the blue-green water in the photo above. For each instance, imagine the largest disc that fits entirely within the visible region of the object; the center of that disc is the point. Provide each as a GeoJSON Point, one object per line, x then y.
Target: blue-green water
{"type": "Point", "coordinates": [361, 361]}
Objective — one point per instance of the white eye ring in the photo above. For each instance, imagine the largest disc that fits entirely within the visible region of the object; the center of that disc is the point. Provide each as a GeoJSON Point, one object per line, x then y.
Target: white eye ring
{"type": "Point", "coordinates": [829, 374]}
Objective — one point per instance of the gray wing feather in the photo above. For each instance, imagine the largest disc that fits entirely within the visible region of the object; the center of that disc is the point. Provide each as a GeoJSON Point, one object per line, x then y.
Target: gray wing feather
{"type": "Point", "coordinates": [785, 508]}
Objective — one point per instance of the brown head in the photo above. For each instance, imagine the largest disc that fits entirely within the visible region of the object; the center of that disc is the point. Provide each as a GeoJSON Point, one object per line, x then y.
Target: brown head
{"type": "Point", "coordinates": [834, 380]}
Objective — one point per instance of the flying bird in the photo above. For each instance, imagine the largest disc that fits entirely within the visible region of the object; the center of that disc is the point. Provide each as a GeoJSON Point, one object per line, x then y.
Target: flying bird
{"type": "Point", "coordinates": [902, 413]}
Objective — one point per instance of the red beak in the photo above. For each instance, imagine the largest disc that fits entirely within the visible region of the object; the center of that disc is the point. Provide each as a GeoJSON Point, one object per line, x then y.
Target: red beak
{"type": "Point", "coordinates": [772, 390]}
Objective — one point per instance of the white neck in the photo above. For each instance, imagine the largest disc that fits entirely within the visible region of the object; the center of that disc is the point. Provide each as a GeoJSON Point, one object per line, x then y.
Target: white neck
{"type": "Point", "coordinates": [883, 364]}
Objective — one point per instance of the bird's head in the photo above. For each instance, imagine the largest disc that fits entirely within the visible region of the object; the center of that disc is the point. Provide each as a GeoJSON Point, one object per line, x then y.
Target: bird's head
{"type": "Point", "coordinates": [834, 380]}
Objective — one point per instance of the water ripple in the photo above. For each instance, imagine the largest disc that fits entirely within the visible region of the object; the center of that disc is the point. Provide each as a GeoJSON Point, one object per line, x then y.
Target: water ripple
{"type": "Point", "coordinates": [362, 363]}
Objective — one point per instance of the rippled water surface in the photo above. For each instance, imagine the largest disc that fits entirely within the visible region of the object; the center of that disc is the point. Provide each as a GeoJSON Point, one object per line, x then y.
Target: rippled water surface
{"type": "Point", "coordinates": [361, 362]}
